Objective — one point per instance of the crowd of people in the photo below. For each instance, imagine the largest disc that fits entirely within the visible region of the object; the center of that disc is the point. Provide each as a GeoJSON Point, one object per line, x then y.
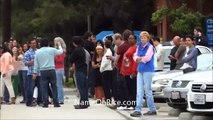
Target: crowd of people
{"type": "Point", "coordinates": [122, 69]}
{"type": "Point", "coordinates": [23, 70]}
{"type": "Point", "coordinates": [116, 67]}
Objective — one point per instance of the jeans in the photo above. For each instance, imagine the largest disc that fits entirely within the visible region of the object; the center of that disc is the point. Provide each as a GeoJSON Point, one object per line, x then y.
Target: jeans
{"type": "Point", "coordinates": [49, 77]}
{"type": "Point", "coordinates": [91, 83]}
{"type": "Point", "coordinates": [82, 85]}
{"type": "Point", "coordinates": [60, 79]}
{"type": "Point", "coordinates": [144, 82]}
{"type": "Point", "coordinates": [6, 95]}
{"type": "Point", "coordinates": [30, 85]}
{"type": "Point", "coordinates": [23, 77]}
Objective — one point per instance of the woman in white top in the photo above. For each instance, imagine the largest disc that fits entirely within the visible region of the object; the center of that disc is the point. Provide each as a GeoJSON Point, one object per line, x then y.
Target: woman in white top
{"type": "Point", "coordinates": [22, 73]}
{"type": "Point", "coordinates": [16, 64]}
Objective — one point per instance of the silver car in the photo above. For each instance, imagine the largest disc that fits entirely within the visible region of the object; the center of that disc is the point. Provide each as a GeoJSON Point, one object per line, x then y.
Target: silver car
{"type": "Point", "coordinates": [161, 80]}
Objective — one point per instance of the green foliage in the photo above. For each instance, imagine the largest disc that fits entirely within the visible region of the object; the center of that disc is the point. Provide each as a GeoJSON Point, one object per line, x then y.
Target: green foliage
{"type": "Point", "coordinates": [183, 20]}
{"type": "Point", "coordinates": [159, 14]}
{"type": "Point", "coordinates": [45, 17]}
{"type": "Point", "coordinates": [186, 23]}
{"type": "Point", "coordinates": [65, 18]}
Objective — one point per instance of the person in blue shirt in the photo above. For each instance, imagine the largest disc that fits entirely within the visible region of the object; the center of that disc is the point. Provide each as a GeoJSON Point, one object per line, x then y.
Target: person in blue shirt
{"type": "Point", "coordinates": [189, 60]}
{"type": "Point", "coordinates": [30, 84]}
{"type": "Point", "coordinates": [44, 61]}
{"type": "Point", "coordinates": [144, 56]}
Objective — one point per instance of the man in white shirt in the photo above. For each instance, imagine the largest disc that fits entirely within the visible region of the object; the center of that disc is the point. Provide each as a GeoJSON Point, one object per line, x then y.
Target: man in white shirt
{"type": "Point", "coordinates": [107, 72]}
{"type": "Point", "coordinates": [159, 54]}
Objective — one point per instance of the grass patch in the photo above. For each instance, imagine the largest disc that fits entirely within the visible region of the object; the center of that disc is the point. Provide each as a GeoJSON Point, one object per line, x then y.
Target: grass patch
{"type": "Point", "coordinates": [70, 83]}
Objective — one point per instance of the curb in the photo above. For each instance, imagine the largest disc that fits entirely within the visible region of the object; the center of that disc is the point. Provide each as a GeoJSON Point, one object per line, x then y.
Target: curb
{"type": "Point", "coordinates": [120, 113]}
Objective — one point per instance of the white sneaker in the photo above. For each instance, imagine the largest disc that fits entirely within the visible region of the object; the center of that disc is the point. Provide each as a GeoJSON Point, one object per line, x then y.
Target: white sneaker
{"type": "Point", "coordinates": [121, 108]}
{"type": "Point", "coordinates": [130, 108]}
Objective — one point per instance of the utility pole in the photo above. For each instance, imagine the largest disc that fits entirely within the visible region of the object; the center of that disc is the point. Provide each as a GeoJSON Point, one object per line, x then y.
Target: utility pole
{"type": "Point", "coordinates": [6, 20]}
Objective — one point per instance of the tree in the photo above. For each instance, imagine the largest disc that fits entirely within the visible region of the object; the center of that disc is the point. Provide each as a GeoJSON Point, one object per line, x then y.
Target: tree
{"type": "Point", "coordinates": [6, 21]}
{"type": "Point", "coordinates": [65, 18]}
{"type": "Point", "coordinates": [183, 19]}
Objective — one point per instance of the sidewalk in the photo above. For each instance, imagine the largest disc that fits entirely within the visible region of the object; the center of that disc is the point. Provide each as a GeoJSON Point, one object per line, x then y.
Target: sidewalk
{"type": "Point", "coordinates": [67, 111]}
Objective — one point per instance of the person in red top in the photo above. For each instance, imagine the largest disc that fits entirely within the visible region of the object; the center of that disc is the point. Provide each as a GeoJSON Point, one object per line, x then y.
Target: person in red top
{"type": "Point", "coordinates": [129, 66]}
{"type": "Point", "coordinates": [129, 70]}
{"type": "Point", "coordinates": [59, 67]}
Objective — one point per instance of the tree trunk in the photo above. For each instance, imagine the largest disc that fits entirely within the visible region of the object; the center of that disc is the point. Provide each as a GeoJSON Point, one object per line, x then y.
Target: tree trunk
{"type": "Point", "coordinates": [6, 21]}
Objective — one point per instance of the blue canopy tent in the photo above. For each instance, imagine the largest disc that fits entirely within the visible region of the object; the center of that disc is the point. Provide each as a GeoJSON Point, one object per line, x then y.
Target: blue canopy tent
{"type": "Point", "coordinates": [137, 34]}
{"type": "Point", "coordinates": [102, 35]}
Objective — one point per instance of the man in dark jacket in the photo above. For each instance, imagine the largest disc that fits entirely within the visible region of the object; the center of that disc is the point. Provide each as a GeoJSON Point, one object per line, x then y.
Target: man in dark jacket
{"type": "Point", "coordinates": [200, 39]}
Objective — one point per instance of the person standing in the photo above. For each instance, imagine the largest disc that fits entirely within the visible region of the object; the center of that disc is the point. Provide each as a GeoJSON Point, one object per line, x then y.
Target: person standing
{"type": "Point", "coordinates": [44, 61]}
{"type": "Point", "coordinates": [176, 41]}
{"type": "Point", "coordinates": [15, 75]}
{"type": "Point", "coordinates": [96, 64]}
{"type": "Point", "coordinates": [144, 56]}
{"type": "Point", "coordinates": [22, 72]}
{"type": "Point", "coordinates": [107, 72]}
{"type": "Point", "coordinates": [122, 92]}
{"type": "Point", "coordinates": [6, 68]}
{"type": "Point", "coordinates": [78, 57]}
{"type": "Point", "coordinates": [159, 54]}
{"type": "Point", "coordinates": [90, 47]}
{"type": "Point", "coordinates": [200, 39]}
{"type": "Point", "coordinates": [29, 57]}
{"type": "Point", "coordinates": [59, 67]}
{"type": "Point", "coordinates": [129, 70]}
{"type": "Point", "coordinates": [181, 51]}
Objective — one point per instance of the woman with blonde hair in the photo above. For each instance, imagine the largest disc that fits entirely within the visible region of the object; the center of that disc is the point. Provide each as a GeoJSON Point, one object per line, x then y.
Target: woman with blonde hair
{"type": "Point", "coordinates": [96, 64]}
{"type": "Point", "coordinates": [59, 67]}
{"type": "Point", "coordinates": [63, 44]}
{"type": "Point", "coordinates": [144, 56]}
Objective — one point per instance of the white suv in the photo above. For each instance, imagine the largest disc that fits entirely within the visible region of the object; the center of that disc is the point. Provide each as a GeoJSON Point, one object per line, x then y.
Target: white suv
{"type": "Point", "coordinates": [200, 94]}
